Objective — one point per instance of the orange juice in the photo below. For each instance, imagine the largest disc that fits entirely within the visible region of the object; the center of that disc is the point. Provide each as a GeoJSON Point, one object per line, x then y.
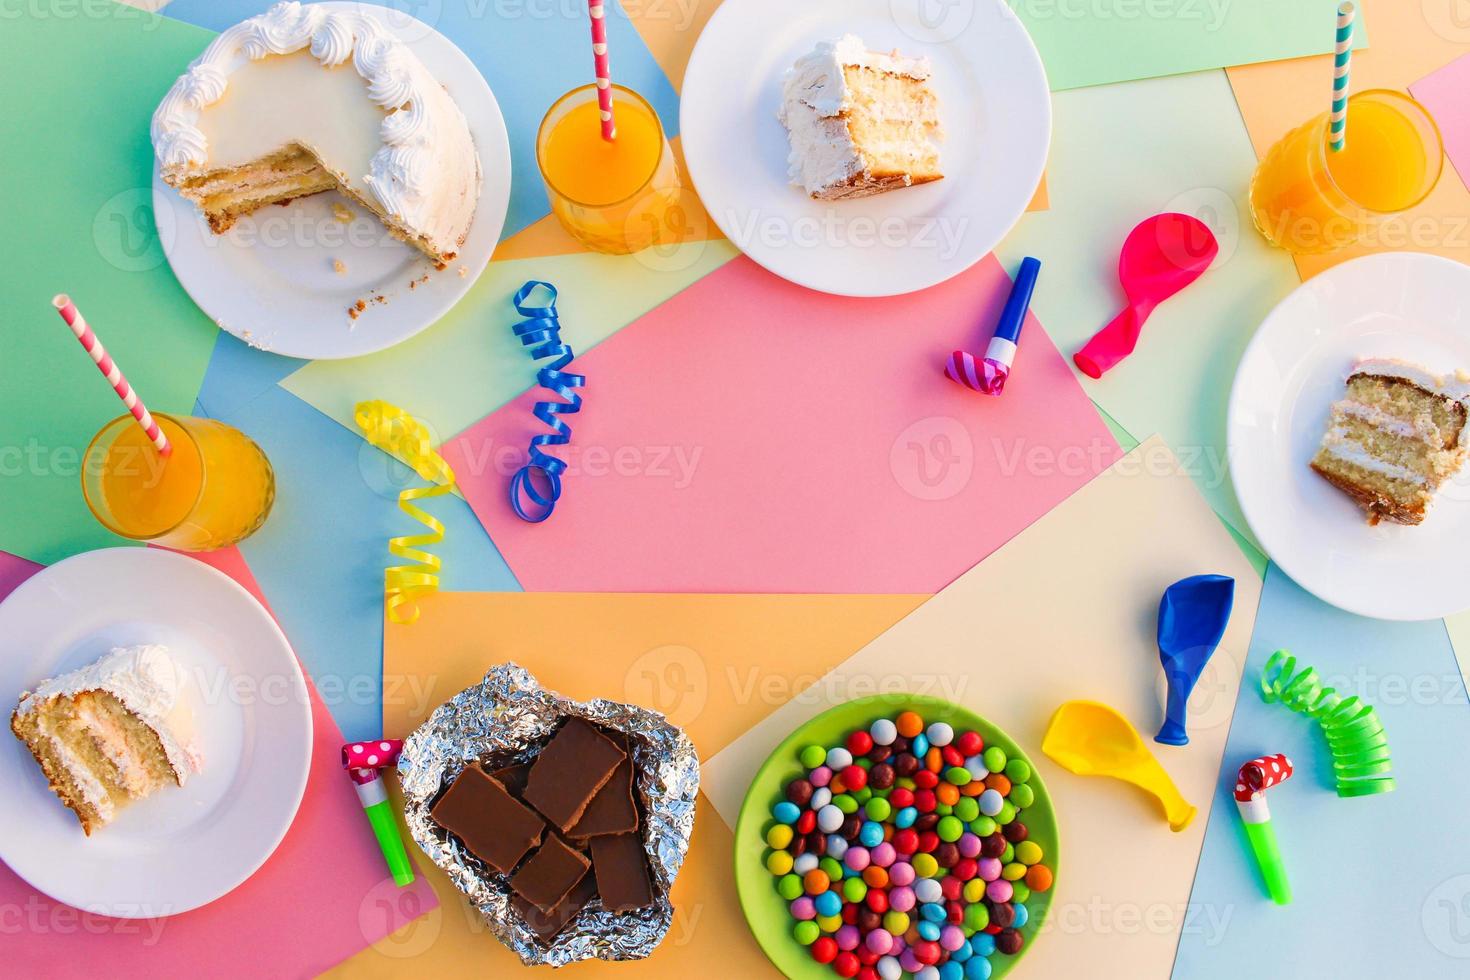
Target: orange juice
{"type": "Point", "coordinates": [612, 196]}
{"type": "Point", "coordinates": [215, 488]}
{"type": "Point", "coordinates": [1307, 198]}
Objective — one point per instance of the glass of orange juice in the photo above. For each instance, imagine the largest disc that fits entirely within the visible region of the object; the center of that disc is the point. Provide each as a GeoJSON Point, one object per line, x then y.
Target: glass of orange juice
{"type": "Point", "coordinates": [611, 195]}
{"type": "Point", "coordinates": [1307, 198]}
{"type": "Point", "coordinates": [214, 489]}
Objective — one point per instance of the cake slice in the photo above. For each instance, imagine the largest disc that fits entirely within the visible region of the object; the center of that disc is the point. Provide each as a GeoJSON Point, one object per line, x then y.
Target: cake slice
{"type": "Point", "coordinates": [110, 733]}
{"type": "Point", "coordinates": [860, 122]}
{"type": "Point", "coordinates": [304, 99]}
{"type": "Point", "coordinates": [1399, 434]}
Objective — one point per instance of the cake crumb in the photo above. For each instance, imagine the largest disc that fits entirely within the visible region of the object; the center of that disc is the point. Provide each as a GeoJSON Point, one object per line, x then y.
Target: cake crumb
{"type": "Point", "coordinates": [463, 271]}
{"type": "Point", "coordinates": [339, 267]}
{"type": "Point", "coordinates": [342, 212]}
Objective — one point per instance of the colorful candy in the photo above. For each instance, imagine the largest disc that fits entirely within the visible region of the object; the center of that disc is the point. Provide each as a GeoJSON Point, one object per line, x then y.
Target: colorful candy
{"type": "Point", "coordinates": [904, 850]}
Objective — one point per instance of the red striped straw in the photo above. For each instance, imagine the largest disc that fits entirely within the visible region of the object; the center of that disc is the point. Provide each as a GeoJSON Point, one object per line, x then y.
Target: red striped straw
{"type": "Point", "coordinates": [604, 73]}
{"type": "Point", "coordinates": [110, 370]}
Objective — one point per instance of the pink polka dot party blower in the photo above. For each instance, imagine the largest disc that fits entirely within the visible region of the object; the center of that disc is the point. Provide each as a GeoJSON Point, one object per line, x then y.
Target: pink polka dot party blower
{"type": "Point", "coordinates": [1254, 778]}
{"type": "Point", "coordinates": [988, 375]}
{"type": "Point", "coordinates": [364, 762]}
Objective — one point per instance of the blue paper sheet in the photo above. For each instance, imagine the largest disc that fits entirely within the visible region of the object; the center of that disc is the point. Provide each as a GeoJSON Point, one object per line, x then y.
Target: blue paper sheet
{"type": "Point", "coordinates": [320, 558]}
{"type": "Point", "coordinates": [1381, 884]}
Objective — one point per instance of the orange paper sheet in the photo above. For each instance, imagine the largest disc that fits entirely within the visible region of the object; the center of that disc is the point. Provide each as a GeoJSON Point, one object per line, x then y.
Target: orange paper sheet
{"type": "Point", "coordinates": [715, 665]}
{"type": "Point", "coordinates": [1407, 45]}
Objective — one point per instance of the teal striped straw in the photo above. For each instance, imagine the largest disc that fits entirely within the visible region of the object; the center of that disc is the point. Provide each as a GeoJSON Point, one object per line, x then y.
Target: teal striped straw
{"type": "Point", "coordinates": [1341, 62]}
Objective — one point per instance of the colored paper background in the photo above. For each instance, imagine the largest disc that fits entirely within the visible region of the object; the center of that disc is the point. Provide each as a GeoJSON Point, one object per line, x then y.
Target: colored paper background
{"type": "Point", "coordinates": [321, 897]}
{"type": "Point", "coordinates": [1408, 41]}
{"type": "Point", "coordinates": [715, 664]}
{"type": "Point", "coordinates": [1068, 609]}
{"type": "Point", "coordinates": [847, 463]}
{"type": "Point", "coordinates": [1353, 885]}
{"type": "Point", "coordinates": [81, 221]}
{"type": "Point", "coordinates": [1446, 93]}
{"type": "Point", "coordinates": [1120, 154]}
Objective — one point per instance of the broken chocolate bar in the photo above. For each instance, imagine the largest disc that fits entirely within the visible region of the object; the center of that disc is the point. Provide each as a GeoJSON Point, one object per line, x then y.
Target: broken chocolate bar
{"type": "Point", "coordinates": [622, 872]}
{"type": "Point", "coordinates": [550, 873]}
{"type": "Point", "coordinates": [575, 764]}
{"type": "Point", "coordinates": [495, 826]}
{"type": "Point", "coordinates": [546, 925]}
{"type": "Point", "coordinates": [613, 810]}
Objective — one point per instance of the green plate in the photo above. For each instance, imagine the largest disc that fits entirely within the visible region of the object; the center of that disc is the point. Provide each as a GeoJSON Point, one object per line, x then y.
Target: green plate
{"type": "Point", "coordinates": [767, 913]}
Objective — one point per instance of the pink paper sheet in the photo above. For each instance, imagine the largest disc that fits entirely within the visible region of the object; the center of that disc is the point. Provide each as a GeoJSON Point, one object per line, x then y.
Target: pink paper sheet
{"type": "Point", "coordinates": [1446, 93]}
{"type": "Point", "coordinates": [323, 896]}
{"type": "Point", "coordinates": [750, 435]}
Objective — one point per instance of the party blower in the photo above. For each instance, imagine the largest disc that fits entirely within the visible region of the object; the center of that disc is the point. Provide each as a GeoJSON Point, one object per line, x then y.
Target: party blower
{"type": "Point", "coordinates": [1254, 778]}
{"type": "Point", "coordinates": [1092, 739]}
{"type": "Point", "coordinates": [363, 760]}
{"type": "Point", "coordinates": [1160, 257]}
{"type": "Point", "coordinates": [1192, 618]}
{"type": "Point", "coordinates": [988, 375]}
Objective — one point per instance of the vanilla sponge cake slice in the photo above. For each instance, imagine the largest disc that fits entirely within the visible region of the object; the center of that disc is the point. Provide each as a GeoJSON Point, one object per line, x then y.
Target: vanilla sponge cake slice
{"type": "Point", "coordinates": [1396, 437]}
{"type": "Point", "coordinates": [111, 733]}
{"type": "Point", "coordinates": [860, 122]}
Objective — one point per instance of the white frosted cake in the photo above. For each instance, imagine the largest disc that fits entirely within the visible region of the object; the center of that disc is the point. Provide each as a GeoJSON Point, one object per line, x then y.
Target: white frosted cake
{"type": "Point", "coordinates": [1396, 437]}
{"type": "Point", "coordinates": [303, 99]}
{"type": "Point", "coordinates": [110, 733]}
{"type": "Point", "coordinates": [860, 122]}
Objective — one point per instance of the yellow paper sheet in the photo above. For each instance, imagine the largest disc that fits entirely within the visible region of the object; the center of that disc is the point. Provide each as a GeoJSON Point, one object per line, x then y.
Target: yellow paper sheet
{"type": "Point", "coordinates": [1407, 45]}
{"type": "Point", "coordinates": [714, 664]}
{"type": "Point", "coordinates": [1068, 609]}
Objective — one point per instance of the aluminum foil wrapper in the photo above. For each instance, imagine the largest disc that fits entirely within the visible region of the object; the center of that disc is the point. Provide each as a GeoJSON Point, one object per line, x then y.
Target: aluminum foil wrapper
{"type": "Point", "coordinates": [506, 719]}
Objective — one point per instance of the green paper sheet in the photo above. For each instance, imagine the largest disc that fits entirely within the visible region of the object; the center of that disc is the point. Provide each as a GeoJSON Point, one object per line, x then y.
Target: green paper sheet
{"type": "Point", "coordinates": [470, 363]}
{"type": "Point", "coordinates": [1093, 42]}
{"type": "Point", "coordinates": [1121, 153]}
{"type": "Point", "coordinates": [78, 164]}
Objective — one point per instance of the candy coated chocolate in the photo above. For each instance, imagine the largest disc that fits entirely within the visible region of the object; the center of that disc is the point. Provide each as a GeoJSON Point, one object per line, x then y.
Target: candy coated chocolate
{"type": "Point", "coordinates": [546, 925]}
{"type": "Point", "coordinates": [495, 826]}
{"type": "Point", "coordinates": [549, 874]}
{"type": "Point", "coordinates": [613, 810]}
{"type": "Point", "coordinates": [573, 766]}
{"type": "Point", "coordinates": [799, 791]}
{"type": "Point", "coordinates": [622, 872]}
{"type": "Point", "coordinates": [1015, 831]}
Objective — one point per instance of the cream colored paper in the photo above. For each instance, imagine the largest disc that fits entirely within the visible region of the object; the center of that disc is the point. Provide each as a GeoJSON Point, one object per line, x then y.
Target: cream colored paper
{"type": "Point", "coordinates": [1068, 609]}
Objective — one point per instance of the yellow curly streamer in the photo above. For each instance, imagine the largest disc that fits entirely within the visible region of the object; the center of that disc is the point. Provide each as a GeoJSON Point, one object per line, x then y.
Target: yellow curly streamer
{"type": "Point", "coordinates": [394, 431]}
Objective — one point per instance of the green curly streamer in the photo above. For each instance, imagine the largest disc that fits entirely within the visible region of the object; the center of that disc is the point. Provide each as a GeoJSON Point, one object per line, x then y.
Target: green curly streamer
{"type": "Point", "coordinates": [1355, 736]}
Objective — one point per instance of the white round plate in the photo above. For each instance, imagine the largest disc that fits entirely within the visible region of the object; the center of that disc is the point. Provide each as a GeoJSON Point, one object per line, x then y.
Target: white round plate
{"type": "Point", "coordinates": [994, 104]}
{"type": "Point", "coordinates": [183, 846]}
{"type": "Point", "coordinates": [1400, 304]}
{"type": "Point", "coordinates": [270, 280]}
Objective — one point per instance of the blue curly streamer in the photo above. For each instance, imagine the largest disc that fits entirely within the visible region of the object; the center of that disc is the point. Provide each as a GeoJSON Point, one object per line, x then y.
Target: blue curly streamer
{"type": "Point", "coordinates": [541, 332]}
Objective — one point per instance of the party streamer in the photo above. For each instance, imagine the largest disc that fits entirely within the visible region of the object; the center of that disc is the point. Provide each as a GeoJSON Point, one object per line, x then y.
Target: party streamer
{"type": "Point", "coordinates": [541, 331]}
{"type": "Point", "coordinates": [1355, 736]}
{"type": "Point", "coordinates": [394, 431]}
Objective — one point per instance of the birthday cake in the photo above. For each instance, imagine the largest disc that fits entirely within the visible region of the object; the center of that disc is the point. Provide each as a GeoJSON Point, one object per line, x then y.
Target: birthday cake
{"type": "Point", "coordinates": [305, 99]}
{"type": "Point", "coordinates": [110, 733]}
{"type": "Point", "coordinates": [860, 122]}
{"type": "Point", "coordinates": [1399, 434]}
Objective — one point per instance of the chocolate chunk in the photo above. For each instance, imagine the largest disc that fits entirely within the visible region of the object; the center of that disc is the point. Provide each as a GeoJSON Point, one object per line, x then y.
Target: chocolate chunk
{"type": "Point", "coordinates": [613, 810]}
{"type": "Point", "coordinates": [547, 925]}
{"type": "Point", "coordinates": [513, 777]}
{"type": "Point", "coordinates": [622, 872]}
{"type": "Point", "coordinates": [575, 764]}
{"type": "Point", "coordinates": [495, 826]}
{"type": "Point", "coordinates": [549, 874]}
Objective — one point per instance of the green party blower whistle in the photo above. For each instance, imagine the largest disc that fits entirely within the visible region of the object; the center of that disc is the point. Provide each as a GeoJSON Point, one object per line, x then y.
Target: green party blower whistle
{"type": "Point", "coordinates": [362, 760]}
{"type": "Point", "coordinates": [1254, 778]}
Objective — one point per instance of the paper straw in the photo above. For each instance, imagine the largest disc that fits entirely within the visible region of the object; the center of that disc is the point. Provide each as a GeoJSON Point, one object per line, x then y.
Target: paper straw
{"type": "Point", "coordinates": [604, 74]}
{"type": "Point", "coordinates": [1341, 62]}
{"type": "Point", "coordinates": [110, 370]}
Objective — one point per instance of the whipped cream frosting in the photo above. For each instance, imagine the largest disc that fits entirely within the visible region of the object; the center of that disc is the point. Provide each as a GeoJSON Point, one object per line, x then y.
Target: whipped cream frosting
{"type": "Point", "coordinates": [424, 171]}
{"type": "Point", "coordinates": [148, 682]}
{"type": "Point", "coordinates": [815, 96]}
